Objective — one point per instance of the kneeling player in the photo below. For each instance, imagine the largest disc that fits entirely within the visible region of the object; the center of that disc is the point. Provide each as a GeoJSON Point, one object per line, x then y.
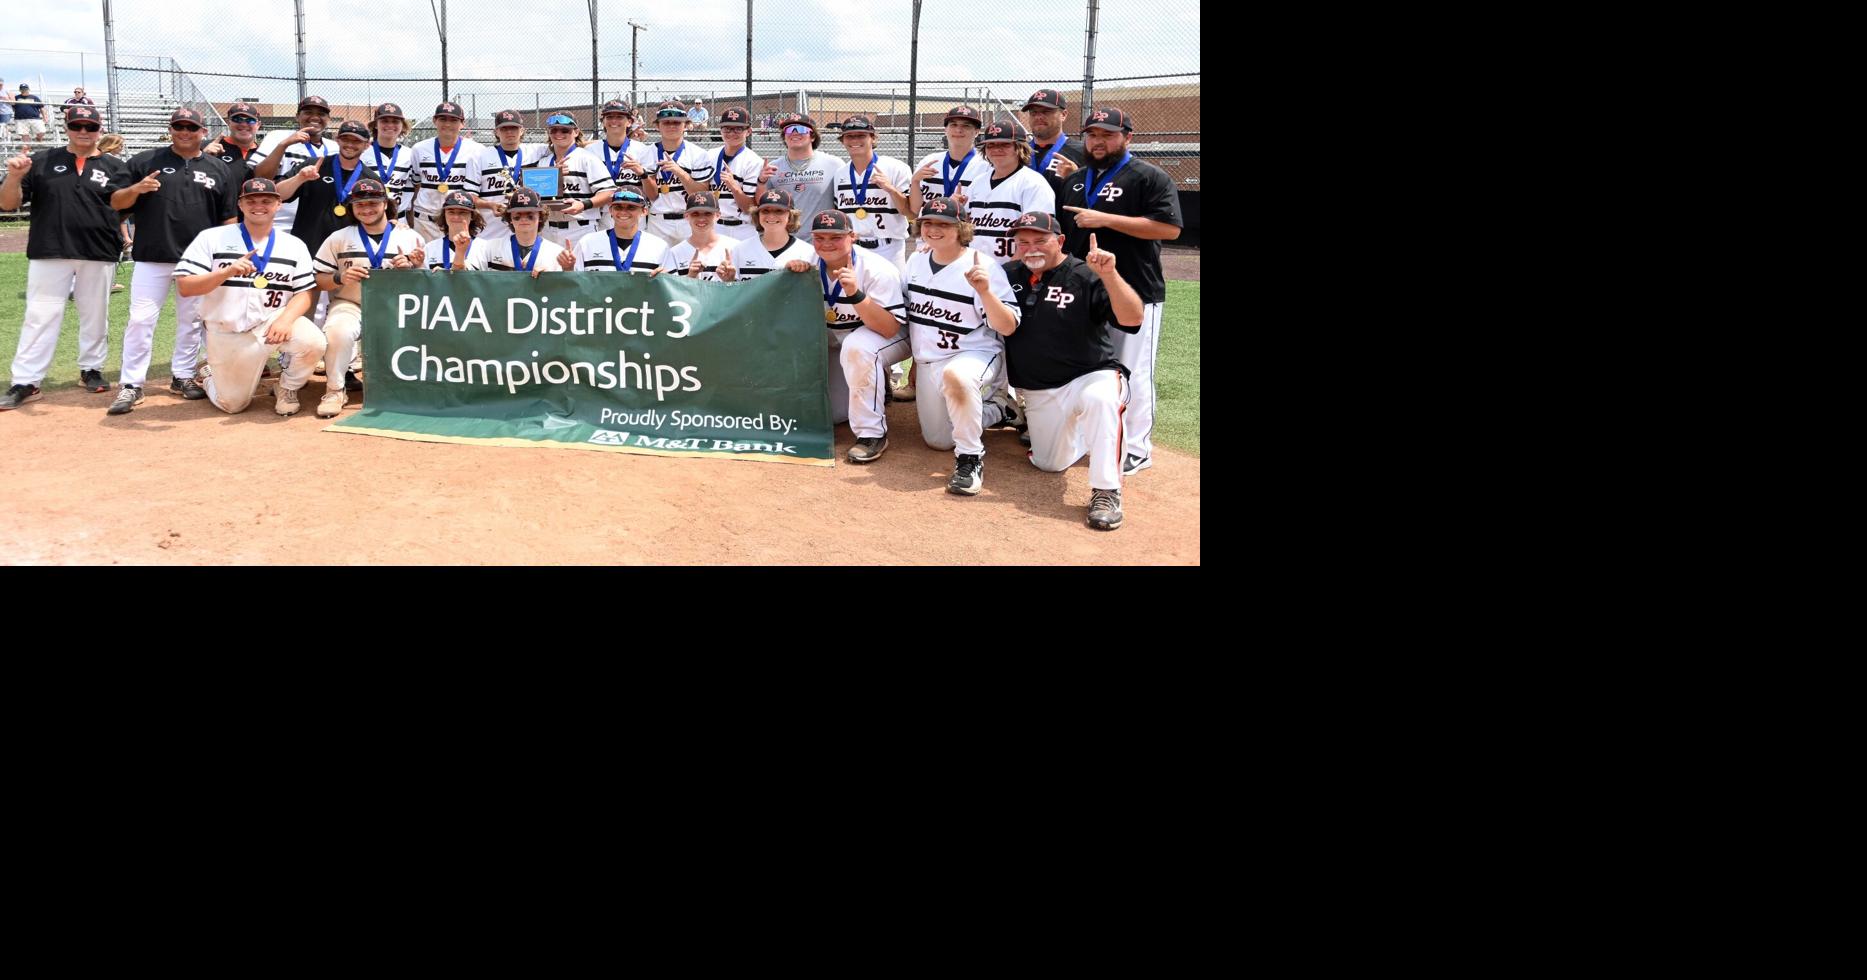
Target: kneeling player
{"type": "Point", "coordinates": [1063, 361]}
{"type": "Point", "coordinates": [464, 223]}
{"type": "Point", "coordinates": [775, 246]}
{"type": "Point", "coordinates": [957, 311]}
{"type": "Point", "coordinates": [624, 247]}
{"type": "Point", "coordinates": [369, 241]}
{"type": "Point", "coordinates": [863, 307]}
{"type": "Point", "coordinates": [247, 325]}
{"type": "Point", "coordinates": [524, 250]}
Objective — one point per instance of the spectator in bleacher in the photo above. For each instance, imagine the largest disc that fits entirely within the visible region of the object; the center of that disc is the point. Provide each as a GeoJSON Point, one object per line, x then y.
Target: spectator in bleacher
{"type": "Point", "coordinates": [29, 116]}
{"type": "Point", "coordinates": [79, 98]}
{"type": "Point", "coordinates": [6, 110]}
{"type": "Point", "coordinates": [697, 115]}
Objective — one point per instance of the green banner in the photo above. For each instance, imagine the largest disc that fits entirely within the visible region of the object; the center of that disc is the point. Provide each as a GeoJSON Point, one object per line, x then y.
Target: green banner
{"type": "Point", "coordinates": [666, 366]}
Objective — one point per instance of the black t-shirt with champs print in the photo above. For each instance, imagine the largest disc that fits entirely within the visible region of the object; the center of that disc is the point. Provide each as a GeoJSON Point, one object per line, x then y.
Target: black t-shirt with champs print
{"type": "Point", "coordinates": [71, 213]}
{"type": "Point", "coordinates": [1060, 335]}
{"type": "Point", "coordinates": [1139, 189]}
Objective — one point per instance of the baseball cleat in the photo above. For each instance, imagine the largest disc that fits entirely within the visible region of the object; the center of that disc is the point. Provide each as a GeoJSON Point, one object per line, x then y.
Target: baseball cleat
{"type": "Point", "coordinates": [1024, 438]}
{"type": "Point", "coordinates": [93, 380]}
{"type": "Point", "coordinates": [285, 402]}
{"type": "Point", "coordinates": [1104, 509]}
{"type": "Point", "coordinates": [188, 388]}
{"type": "Point", "coordinates": [18, 395]}
{"type": "Point", "coordinates": [1009, 416]}
{"type": "Point", "coordinates": [868, 449]}
{"type": "Point", "coordinates": [352, 382]}
{"type": "Point", "coordinates": [126, 401]}
{"type": "Point", "coordinates": [332, 403]}
{"type": "Point", "coordinates": [1135, 464]}
{"type": "Point", "coordinates": [968, 475]}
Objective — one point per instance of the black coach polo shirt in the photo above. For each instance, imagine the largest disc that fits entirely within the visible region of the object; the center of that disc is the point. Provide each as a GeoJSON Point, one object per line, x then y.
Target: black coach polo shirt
{"type": "Point", "coordinates": [1062, 316]}
{"type": "Point", "coordinates": [71, 213]}
{"type": "Point", "coordinates": [196, 195]}
{"type": "Point", "coordinates": [1141, 190]}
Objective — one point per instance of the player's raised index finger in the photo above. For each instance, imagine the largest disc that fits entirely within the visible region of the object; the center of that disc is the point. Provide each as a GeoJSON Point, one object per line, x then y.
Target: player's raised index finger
{"type": "Point", "coordinates": [1092, 241]}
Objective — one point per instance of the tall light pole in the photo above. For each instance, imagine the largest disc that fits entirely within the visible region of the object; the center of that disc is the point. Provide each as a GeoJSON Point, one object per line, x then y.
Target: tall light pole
{"type": "Point", "coordinates": [595, 119]}
{"type": "Point", "coordinates": [440, 25]}
{"type": "Point", "coordinates": [748, 55]}
{"type": "Point", "coordinates": [634, 29]}
{"type": "Point", "coordinates": [110, 55]}
{"type": "Point", "coordinates": [300, 5]}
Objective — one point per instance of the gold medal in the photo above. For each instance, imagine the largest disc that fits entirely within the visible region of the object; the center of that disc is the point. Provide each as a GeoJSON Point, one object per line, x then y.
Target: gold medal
{"type": "Point", "coordinates": [259, 280]}
{"type": "Point", "coordinates": [862, 214]}
{"type": "Point", "coordinates": [339, 210]}
{"type": "Point", "coordinates": [829, 316]}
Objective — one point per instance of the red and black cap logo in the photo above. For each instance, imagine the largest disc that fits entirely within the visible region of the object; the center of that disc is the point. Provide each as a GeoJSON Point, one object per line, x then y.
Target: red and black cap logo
{"type": "Point", "coordinates": [832, 221]}
{"type": "Point", "coordinates": [187, 115]}
{"type": "Point", "coordinates": [369, 189]}
{"type": "Point", "coordinates": [940, 209]}
{"type": "Point", "coordinates": [313, 102]}
{"type": "Point", "coordinates": [449, 109]}
{"type": "Point", "coordinates": [703, 201]}
{"type": "Point", "coordinates": [798, 119]}
{"type": "Point", "coordinates": [259, 185]}
{"type": "Point", "coordinates": [1038, 221]}
{"type": "Point", "coordinates": [617, 105]}
{"type": "Point", "coordinates": [670, 110]}
{"type": "Point", "coordinates": [353, 128]}
{"type": "Point", "coordinates": [858, 124]}
{"type": "Point", "coordinates": [963, 113]}
{"type": "Point", "coordinates": [242, 112]}
{"type": "Point", "coordinates": [1003, 132]}
{"type": "Point", "coordinates": [389, 110]}
{"type": "Point", "coordinates": [523, 199]}
{"type": "Point", "coordinates": [735, 117]}
{"type": "Point", "coordinates": [775, 198]}
{"type": "Point", "coordinates": [1048, 98]}
{"type": "Point", "coordinates": [82, 113]}
{"type": "Point", "coordinates": [457, 199]}
{"type": "Point", "coordinates": [1112, 119]}
{"type": "Point", "coordinates": [507, 117]}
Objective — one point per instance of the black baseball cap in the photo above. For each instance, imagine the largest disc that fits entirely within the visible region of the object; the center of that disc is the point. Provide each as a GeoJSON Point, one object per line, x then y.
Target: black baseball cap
{"type": "Point", "coordinates": [616, 105]}
{"type": "Point", "coordinates": [82, 113]}
{"type": "Point", "coordinates": [523, 199]}
{"type": "Point", "coordinates": [1042, 221]}
{"type": "Point", "coordinates": [940, 209]}
{"type": "Point", "coordinates": [1049, 98]}
{"type": "Point", "coordinates": [508, 117]}
{"type": "Point", "coordinates": [835, 221]}
{"type": "Point", "coordinates": [369, 189]}
{"type": "Point", "coordinates": [313, 102]}
{"type": "Point", "coordinates": [799, 119]}
{"type": "Point", "coordinates": [1002, 132]}
{"type": "Point", "coordinates": [389, 110]}
{"type": "Point", "coordinates": [259, 185]}
{"type": "Point", "coordinates": [353, 128]}
{"type": "Point", "coordinates": [670, 110]}
{"type": "Point", "coordinates": [456, 199]}
{"type": "Point", "coordinates": [964, 113]}
{"type": "Point", "coordinates": [239, 109]}
{"type": "Point", "coordinates": [185, 114]}
{"type": "Point", "coordinates": [702, 201]}
{"type": "Point", "coordinates": [857, 124]}
{"type": "Point", "coordinates": [1112, 119]}
{"type": "Point", "coordinates": [774, 198]}
{"type": "Point", "coordinates": [449, 109]}
{"type": "Point", "coordinates": [736, 117]}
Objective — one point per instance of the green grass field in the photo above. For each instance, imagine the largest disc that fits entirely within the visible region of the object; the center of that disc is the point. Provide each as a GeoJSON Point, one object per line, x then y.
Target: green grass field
{"type": "Point", "coordinates": [1177, 384]}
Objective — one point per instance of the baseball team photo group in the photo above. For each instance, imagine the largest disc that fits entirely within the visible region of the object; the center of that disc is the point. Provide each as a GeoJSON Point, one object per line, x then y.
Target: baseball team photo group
{"type": "Point", "coordinates": [381, 320]}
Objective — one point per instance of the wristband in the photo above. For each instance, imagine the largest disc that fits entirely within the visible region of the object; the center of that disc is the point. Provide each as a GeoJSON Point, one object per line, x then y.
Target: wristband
{"type": "Point", "coordinates": [855, 297]}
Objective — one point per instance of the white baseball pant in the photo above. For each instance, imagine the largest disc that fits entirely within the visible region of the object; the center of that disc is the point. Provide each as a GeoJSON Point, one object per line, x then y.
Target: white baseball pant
{"type": "Point", "coordinates": [1137, 352]}
{"type": "Point", "coordinates": [953, 399]}
{"type": "Point", "coordinates": [1082, 418]}
{"type": "Point", "coordinates": [428, 230]}
{"type": "Point", "coordinates": [150, 284]}
{"type": "Point", "coordinates": [48, 282]}
{"type": "Point", "coordinates": [745, 231]}
{"type": "Point", "coordinates": [343, 342]}
{"type": "Point", "coordinates": [839, 387]}
{"type": "Point", "coordinates": [567, 237]}
{"type": "Point", "coordinates": [894, 250]}
{"type": "Point", "coordinates": [865, 358]}
{"type": "Point", "coordinates": [234, 361]}
{"type": "Point", "coordinates": [673, 230]}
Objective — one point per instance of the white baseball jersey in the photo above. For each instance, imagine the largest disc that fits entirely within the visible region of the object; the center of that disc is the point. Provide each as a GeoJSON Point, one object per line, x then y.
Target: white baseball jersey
{"type": "Point", "coordinates": [945, 314]}
{"type": "Point", "coordinates": [996, 205]}
{"type": "Point", "coordinates": [743, 169]}
{"type": "Point", "coordinates": [752, 259]}
{"type": "Point", "coordinates": [672, 202]}
{"type": "Point", "coordinates": [613, 158]}
{"type": "Point", "coordinates": [496, 254]}
{"type": "Point", "coordinates": [495, 176]}
{"type": "Point", "coordinates": [879, 279]}
{"type": "Point", "coordinates": [593, 252]}
{"type": "Point", "coordinates": [584, 175]}
{"type": "Point", "coordinates": [235, 306]}
{"type": "Point", "coordinates": [975, 172]}
{"type": "Point", "coordinates": [295, 157]}
{"type": "Point", "coordinates": [678, 257]}
{"type": "Point", "coordinates": [431, 189]}
{"type": "Point", "coordinates": [345, 248]}
{"type": "Point", "coordinates": [883, 220]}
{"type": "Point", "coordinates": [440, 252]}
{"type": "Point", "coordinates": [395, 167]}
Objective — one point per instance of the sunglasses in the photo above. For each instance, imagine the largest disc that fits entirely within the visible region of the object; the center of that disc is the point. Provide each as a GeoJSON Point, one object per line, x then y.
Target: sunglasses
{"type": "Point", "coordinates": [243, 121]}
{"type": "Point", "coordinates": [797, 131]}
{"type": "Point", "coordinates": [561, 130]}
{"type": "Point", "coordinates": [185, 128]}
{"type": "Point", "coordinates": [83, 127]}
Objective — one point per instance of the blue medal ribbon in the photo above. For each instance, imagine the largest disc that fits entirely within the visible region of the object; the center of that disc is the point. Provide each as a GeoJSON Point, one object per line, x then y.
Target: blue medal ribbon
{"type": "Point", "coordinates": [344, 186]}
{"type": "Point", "coordinates": [1095, 186]}
{"type": "Point", "coordinates": [719, 168]}
{"type": "Point", "coordinates": [384, 173]}
{"type": "Point", "coordinates": [949, 179]}
{"type": "Point", "coordinates": [537, 246]}
{"type": "Point", "coordinates": [447, 252]}
{"type": "Point", "coordinates": [615, 164]}
{"type": "Point", "coordinates": [624, 264]}
{"type": "Point", "coordinates": [445, 171]}
{"type": "Point", "coordinates": [832, 295]}
{"type": "Point", "coordinates": [1043, 166]}
{"type": "Point", "coordinates": [512, 168]}
{"type": "Point", "coordinates": [862, 186]}
{"type": "Point", "coordinates": [259, 262]}
{"type": "Point", "coordinates": [375, 256]}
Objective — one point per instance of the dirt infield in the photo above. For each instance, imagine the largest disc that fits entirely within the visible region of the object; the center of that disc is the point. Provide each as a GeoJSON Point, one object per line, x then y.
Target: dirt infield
{"type": "Point", "coordinates": [178, 483]}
